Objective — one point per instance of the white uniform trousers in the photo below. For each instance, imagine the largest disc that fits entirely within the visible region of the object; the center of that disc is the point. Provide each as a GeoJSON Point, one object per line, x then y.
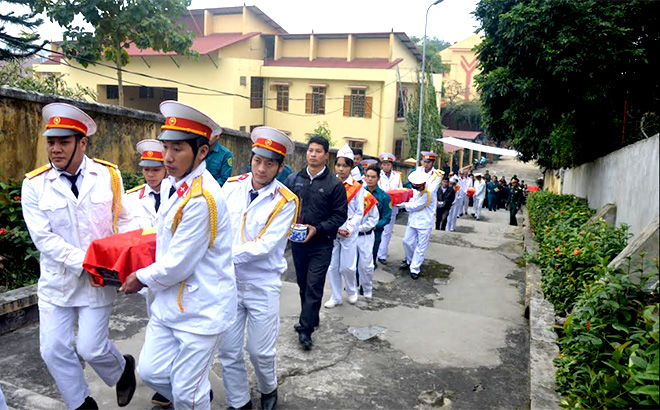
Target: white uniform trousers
{"type": "Point", "coordinates": [259, 306]}
{"type": "Point", "coordinates": [465, 207]}
{"type": "Point", "coordinates": [365, 263]}
{"type": "Point", "coordinates": [453, 215]}
{"type": "Point", "coordinates": [415, 242]}
{"type": "Point", "coordinates": [387, 235]}
{"type": "Point", "coordinates": [343, 265]}
{"type": "Point", "coordinates": [478, 205]}
{"type": "Point", "coordinates": [3, 403]}
{"type": "Point", "coordinates": [56, 346]}
{"type": "Point", "coordinates": [176, 364]}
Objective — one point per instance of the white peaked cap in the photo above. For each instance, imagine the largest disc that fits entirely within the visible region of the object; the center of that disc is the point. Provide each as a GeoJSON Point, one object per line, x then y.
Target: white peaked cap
{"type": "Point", "coordinates": [65, 119]}
{"type": "Point", "coordinates": [417, 177]}
{"type": "Point", "coordinates": [151, 153]}
{"type": "Point", "coordinates": [346, 152]}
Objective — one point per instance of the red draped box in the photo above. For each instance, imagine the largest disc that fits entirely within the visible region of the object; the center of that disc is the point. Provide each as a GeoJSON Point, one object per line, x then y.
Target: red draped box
{"type": "Point", "coordinates": [401, 195]}
{"type": "Point", "coordinates": [470, 192]}
{"type": "Point", "coordinates": [110, 260]}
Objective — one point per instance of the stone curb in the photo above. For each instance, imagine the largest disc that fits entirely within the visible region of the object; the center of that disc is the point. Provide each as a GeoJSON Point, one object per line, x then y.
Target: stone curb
{"type": "Point", "coordinates": [543, 348]}
{"type": "Point", "coordinates": [18, 308]}
{"type": "Point", "coordinates": [20, 398]}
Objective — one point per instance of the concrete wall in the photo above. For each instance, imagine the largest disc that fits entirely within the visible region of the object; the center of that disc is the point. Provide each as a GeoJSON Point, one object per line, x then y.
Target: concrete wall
{"type": "Point", "coordinates": [119, 129]}
{"type": "Point", "coordinates": [627, 178]}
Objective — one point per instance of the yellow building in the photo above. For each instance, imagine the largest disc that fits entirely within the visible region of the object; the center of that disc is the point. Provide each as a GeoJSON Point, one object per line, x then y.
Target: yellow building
{"type": "Point", "coordinates": [251, 72]}
{"type": "Point", "coordinates": [463, 62]}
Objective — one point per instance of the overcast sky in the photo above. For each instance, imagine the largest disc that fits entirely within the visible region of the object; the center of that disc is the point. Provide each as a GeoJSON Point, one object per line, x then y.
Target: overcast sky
{"type": "Point", "coordinates": [450, 20]}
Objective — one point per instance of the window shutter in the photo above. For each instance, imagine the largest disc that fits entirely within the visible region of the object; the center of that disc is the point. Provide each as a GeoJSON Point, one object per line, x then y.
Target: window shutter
{"type": "Point", "coordinates": [347, 106]}
{"type": "Point", "coordinates": [367, 106]}
{"type": "Point", "coordinates": [308, 104]}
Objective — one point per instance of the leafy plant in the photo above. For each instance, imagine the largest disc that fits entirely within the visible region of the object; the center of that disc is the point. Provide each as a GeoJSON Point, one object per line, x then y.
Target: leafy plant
{"type": "Point", "coordinates": [13, 74]}
{"type": "Point", "coordinates": [19, 259]}
{"type": "Point", "coordinates": [131, 180]}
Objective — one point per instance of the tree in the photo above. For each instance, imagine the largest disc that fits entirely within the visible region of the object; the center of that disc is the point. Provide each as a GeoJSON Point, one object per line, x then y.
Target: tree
{"type": "Point", "coordinates": [569, 80]}
{"type": "Point", "coordinates": [13, 74]}
{"type": "Point", "coordinates": [115, 25]}
{"type": "Point", "coordinates": [431, 124]}
{"type": "Point", "coordinates": [18, 46]}
{"type": "Point", "coordinates": [323, 129]}
{"type": "Point", "coordinates": [433, 48]}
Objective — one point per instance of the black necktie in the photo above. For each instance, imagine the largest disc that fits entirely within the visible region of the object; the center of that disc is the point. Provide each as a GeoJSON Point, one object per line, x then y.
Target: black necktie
{"type": "Point", "coordinates": [157, 198]}
{"type": "Point", "coordinates": [253, 196]}
{"type": "Point", "coordinates": [73, 179]}
{"type": "Point", "coordinates": [172, 191]}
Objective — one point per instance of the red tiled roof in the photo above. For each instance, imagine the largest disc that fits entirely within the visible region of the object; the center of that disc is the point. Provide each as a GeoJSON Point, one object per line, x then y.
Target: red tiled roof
{"type": "Point", "coordinates": [203, 45]}
{"type": "Point", "coordinates": [450, 148]}
{"type": "Point", "coordinates": [464, 135]}
{"type": "Point", "coordinates": [376, 63]}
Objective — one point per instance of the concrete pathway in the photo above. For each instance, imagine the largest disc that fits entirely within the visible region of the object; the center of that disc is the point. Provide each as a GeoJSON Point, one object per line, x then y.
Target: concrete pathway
{"type": "Point", "coordinates": [456, 338]}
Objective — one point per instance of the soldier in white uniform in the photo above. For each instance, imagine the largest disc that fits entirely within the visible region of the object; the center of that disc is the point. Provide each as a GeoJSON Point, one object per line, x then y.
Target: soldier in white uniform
{"type": "Point", "coordinates": [344, 252]}
{"type": "Point", "coordinates": [421, 209]}
{"type": "Point", "coordinates": [433, 176]}
{"type": "Point", "coordinates": [389, 180]}
{"type": "Point", "coordinates": [193, 277]}
{"type": "Point", "coordinates": [262, 211]}
{"type": "Point", "coordinates": [479, 195]}
{"type": "Point", "coordinates": [67, 204]}
{"type": "Point", "coordinates": [365, 243]}
{"type": "Point", "coordinates": [144, 200]}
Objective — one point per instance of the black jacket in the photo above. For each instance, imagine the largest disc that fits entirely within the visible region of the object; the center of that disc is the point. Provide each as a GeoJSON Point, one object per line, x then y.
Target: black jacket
{"type": "Point", "coordinates": [323, 202]}
{"type": "Point", "coordinates": [447, 197]}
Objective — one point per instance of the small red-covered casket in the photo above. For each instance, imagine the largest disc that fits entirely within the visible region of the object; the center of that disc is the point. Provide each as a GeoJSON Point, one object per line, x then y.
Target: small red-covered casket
{"type": "Point", "coordinates": [401, 195]}
{"type": "Point", "coordinates": [470, 192]}
{"type": "Point", "coordinates": [110, 260]}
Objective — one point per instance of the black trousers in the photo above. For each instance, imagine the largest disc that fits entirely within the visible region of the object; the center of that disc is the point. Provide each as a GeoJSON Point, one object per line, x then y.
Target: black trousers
{"type": "Point", "coordinates": [512, 216]}
{"type": "Point", "coordinates": [441, 218]}
{"type": "Point", "coordinates": [311, 261]}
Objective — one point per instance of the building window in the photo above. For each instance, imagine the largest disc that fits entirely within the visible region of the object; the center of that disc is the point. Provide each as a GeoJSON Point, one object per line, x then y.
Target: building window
{"type": "Point", "coordinates": [146, 92]}
{"type": "Point", "coordinates": [315, 102]}
{"type": "Point", "coordinates": [170, 94]}
{"type": "Point", "coordinates": [256, 92]}
{"type": "Point", "coordinates": [282, 98]}
{"type": "Point", "coordinates": [111, 92]}
{"type": "Point", "coordinates": [356, 145]}
{"type": "Point", "coordinates": [398, 149]}
{"type": "Point", "coordinates": [241, 128]}
{"type": "Point", "coordinates": [401, 99]}
{"type": "Point", "coordinates": [252, 127]}
{"type": "Point", "coordinates": [358, 104]}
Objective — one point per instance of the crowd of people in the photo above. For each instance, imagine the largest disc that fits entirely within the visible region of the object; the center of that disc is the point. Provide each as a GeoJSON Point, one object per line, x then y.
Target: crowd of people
{"type": "Point", "coordinates": [214, 286]}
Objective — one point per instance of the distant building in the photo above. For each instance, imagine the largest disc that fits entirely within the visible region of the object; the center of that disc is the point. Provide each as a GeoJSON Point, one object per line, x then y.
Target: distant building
{"type": "Point", "coordinates": [463, 63]}
{"type": "Point", "coordinates": [356, 82]}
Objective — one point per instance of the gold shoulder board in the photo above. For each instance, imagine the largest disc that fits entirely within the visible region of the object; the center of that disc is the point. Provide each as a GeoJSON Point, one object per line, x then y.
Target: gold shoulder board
{"type": "Point", "coordinates": [287, 194]}
{"type": "Point", "coordinates": [137, 188]}
{"type": "Point", "coordinates": [38, 171]}
{"type": "Point", "coordinates": [106, 163]}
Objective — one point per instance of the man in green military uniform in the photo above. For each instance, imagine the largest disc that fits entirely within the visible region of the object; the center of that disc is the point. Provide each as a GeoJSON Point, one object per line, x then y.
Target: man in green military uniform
{"type": "Point", "coordinates": [371, 176]}
{"type": "Point", "coordinates": [515, 201]}
{"type": "Point", "coordinates": [219, 161]}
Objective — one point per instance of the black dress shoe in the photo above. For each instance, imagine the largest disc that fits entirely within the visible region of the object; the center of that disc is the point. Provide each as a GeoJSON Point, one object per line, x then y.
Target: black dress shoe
{"type": "Point", "coordinates": [89, 404]}
{"type": "Point", "coordinates": [414, 275]}
{"type": "Point", "coordinates": [246, 406]}
{"type": "Point", "coordinates": [126, 384]}
{"type": "Point", "coordinates": [383, 261]}
{"type": "Point", "coordinates": [160, 400]}
{"type": "Point", "coordinates": [305, 341]}
{"type": "Point", "coordinates": [404, 265]}
{"type": "Point", "coordinates": [269, 401]}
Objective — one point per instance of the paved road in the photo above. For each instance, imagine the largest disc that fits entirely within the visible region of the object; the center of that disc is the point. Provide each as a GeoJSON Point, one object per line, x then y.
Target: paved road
{"type": "Point", "coordinates": [456, 338]}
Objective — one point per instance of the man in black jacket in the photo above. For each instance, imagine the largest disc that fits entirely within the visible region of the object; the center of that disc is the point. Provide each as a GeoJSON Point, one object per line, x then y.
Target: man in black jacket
{"type": "Point", "coordinates": [323, 208]}
{"type": "Point", "coordinates": [446, 197]}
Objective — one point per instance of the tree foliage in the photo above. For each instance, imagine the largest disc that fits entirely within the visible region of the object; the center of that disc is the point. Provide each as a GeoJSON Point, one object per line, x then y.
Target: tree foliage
{"type": "Point", "coordinates": [23, 45]}
{"type": "Point", "coordinates": [13, 74]}
{"type": "Point", "coordinates": [457, 112]}
{"type": "Point", "coordinates": [558, 75]}
{"type": "Point", "coordinates": [431, 124]}
{"type": "Point", "coordinates": [433, 48]}
{"type": "Point", "coordinates": [323, 129]}
{"type": "Point", "coordinates": [116, 24]}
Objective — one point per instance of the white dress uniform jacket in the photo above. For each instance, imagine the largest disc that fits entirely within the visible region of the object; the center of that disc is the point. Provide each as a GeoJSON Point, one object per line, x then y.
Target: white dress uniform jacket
{"type": "Point", "coordinates": [194, 286]}
{"type": "Point", "coordinates": [479, 196]}
{"type": "Point", "coordinates": [388, 183]}
{"type": "Point", "coordinates": [433, 181]}
{"type": "Point", "coordinates": [260, 232]}
{"type": "Point", "coordinates": [62, 227]}
{"type": "Point", "coordinates": [143, 206]}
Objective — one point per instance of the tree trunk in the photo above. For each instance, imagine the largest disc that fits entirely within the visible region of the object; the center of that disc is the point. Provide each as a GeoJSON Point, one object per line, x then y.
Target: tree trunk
{"type": "Point", "coordinates": [120, 87]}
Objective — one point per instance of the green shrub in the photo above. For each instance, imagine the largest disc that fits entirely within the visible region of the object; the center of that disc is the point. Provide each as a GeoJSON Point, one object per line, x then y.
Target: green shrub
{"type": "Point", "coordinates": [609, 348]}
{"type": "Point", "coordinates": [19, 259]}
{"type": "Point", "coordinates": [131, 180]}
